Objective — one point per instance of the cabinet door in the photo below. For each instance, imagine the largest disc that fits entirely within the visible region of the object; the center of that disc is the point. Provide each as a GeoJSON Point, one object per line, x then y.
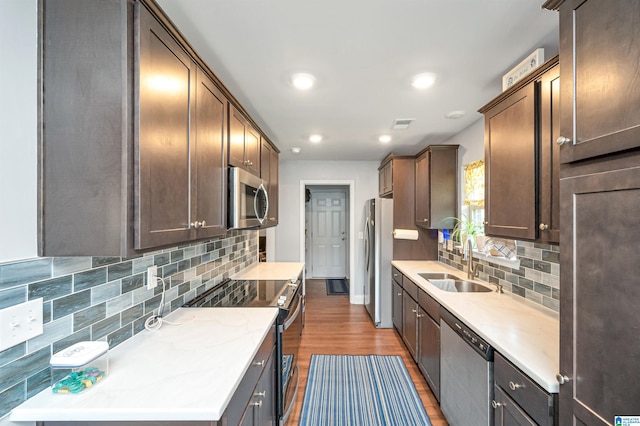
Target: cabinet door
{"type": "Point", "coordinates": [236, 137]}
{"type": "Point", "coordinates": [252, 149]}
{"type": "Point", "coordinates": [410, 324]}
{"type": "Point", "coordinates": [422, 185]}
{"type": "Point", "coordinates": [429, 353]}
{"type": "Point", "coordinates": [600, 93]}
{"type": "Point", "coordinates": [549, 169]}
{"type": "Point", "coordinates": [397, 307]}
{"type": "Point", "coordinates": [166, 91]}
{"type": "Point", "coordinates": [507, 412]}
{"type": "Point", "coordinates": [209, 184]}
{"type": "Point", "coordinates": [599, 295]}
{"type": "Point", "coordinates": [443, 186]}
{"type": "Point", "coordinates": [510, 161]}
{"type": "Point", "coordinates": [274, 186]}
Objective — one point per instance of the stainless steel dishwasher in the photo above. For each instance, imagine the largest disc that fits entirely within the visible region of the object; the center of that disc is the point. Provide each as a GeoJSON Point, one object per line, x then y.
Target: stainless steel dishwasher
{"type": "Point", "coordinates": [466, 375]}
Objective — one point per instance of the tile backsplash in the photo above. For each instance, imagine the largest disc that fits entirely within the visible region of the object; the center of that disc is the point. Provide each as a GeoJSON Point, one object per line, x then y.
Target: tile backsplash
{"type": "Point", "coordinates": [537, 279]}
{"type": "Point", "coordinates": [105, 298]}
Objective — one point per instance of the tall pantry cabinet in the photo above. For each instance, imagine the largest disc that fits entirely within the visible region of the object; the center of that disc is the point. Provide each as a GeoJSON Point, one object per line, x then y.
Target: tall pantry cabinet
{"type": "Point", "coordinates": [599, 204]}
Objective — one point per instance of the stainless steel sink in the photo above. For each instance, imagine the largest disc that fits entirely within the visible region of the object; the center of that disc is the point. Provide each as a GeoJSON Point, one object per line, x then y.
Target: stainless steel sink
{"type": "Point", "coordinates": [439, 276]}
{"type": "Point", "coordinates": [453, 283]}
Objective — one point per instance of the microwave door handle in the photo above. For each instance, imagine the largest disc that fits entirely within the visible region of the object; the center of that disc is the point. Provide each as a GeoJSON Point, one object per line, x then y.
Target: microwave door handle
{"type": "Point", "coordinates": [255, 203]}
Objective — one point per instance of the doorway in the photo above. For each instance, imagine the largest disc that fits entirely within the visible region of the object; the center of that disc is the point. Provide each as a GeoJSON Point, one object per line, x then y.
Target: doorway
{"type": "Point", "coordinates": [327, 229]}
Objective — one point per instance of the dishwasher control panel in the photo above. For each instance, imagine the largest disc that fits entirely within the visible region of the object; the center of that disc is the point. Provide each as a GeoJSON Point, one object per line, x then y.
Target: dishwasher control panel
{"type": "Point", "coordinates": [471, 337]}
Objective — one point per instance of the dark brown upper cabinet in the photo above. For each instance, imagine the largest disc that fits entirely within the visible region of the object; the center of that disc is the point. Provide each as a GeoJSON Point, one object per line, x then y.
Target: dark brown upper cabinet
{"type": "Point", "coordinates": [269, 173]}
{"type": "Point", "coordinates": [600, 92]}
{"type": "Point", "coordinates": [180, 175]}
{"type": "Point", "coordinates": [436, 186]}
{"type": "Point", "coordinates": [132, 135]}
{"type": "Point", "coordinates": [385, 177]}
{"type": "Point", "coordinates": [522, 158]}
{"type": "Point", "coordinates": [244, 143]}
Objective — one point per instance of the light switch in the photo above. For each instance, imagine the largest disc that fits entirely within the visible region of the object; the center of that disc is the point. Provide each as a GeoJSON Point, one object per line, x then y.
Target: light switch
{"type": "Point", "coordinates": [20, 323]}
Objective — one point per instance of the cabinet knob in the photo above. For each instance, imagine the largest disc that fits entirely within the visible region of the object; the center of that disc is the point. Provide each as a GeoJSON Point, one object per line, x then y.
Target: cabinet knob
{"type": "Point", "coordinates": [496, 404]}
{"type": "Point", "coordinates": [484, 222]}
{"type": "Point", "coordinates": [414, 311]}
{"type": "Point", "coordinates": [562, 140]}
{"type": "Point", "coordinates": [197, 224]}
{"type": "Point", "coordinates": [259, 363]}
{"type": "Point", "coordinates": [399, 294]}
{"type": "Point", "coordinates": [203, 223]}
{"type": "Point", "coordinates": [562, 379]}
{"type": "Point", "coordinates": [425, 220]}
{"type": "Point", "coordinates": [514, 386]}
{"type": "Point", "coordinates": [257, 404]}
{"type": "Point", "coordinates": [262, 394]}
{"type": "Point", "coordinates": [543, 226]}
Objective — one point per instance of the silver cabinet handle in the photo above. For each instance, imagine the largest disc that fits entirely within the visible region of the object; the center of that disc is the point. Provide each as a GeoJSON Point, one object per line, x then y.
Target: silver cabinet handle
{"type": "Point", "coordinates": [562, 379]}
{"type": "Point", "coordinates": [259, 363]}
{"type": "Point", "coordinates": [496, 404]}
{"type": "Point", "coordinates": [543, 226]}
{"type": "Point", "coordinates": [257, 404]}
{"type": "Point", "coordinates": [514, 386]}
{"type": "Point", "coordinates": [399, 294]}
{"type": "Point", "coordinates": [263, 393]}
{"type": "Point", "coordinates": [203, 223]}
{"type": "Point", "coordinates": [562, 140]}
{"type": "Point", "coordinates": [414, 311]}
{"type": "Point", "coordinates": [425, 220]}
{"type": "Point", "coordinates": [484, 222]}
{"type": "Point", "coordinates": [197, 224]}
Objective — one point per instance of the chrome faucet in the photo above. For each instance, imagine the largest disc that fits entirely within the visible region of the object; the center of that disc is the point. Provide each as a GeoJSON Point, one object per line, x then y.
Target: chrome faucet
{"type": "Point", "coordinates": [471, 272]}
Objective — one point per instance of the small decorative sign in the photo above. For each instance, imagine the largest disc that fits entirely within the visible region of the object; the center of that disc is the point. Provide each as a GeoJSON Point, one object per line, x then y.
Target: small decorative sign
{"type": "Point", "coordinates": [530, 63]}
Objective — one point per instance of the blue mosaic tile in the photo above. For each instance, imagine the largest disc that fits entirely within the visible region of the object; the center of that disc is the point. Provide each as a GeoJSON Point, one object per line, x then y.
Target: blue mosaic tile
{"type": "Point", "coordinates": [131, 314]}
{"type": "Point", "coordinates": [119, 270]}
{"type": "Point", "coordinates": [15, 274]}
{"type": "Point", "coordinates": [88, 279]}
{"type": "Point", "coordinates": [11, 397]}
{"type": "Point", "coordinates": [51, 289]}
{"type": "Point", "coordinates": [12, 353]}
{"type": "Point", "coordinates": [70, 304]}
{"type": "Point", "coordinates": [81, 336]}
{"type": "Point", "coordinates": [134, 282]}
{"type": "Point", "coordinates": [86, 317]}
{"type": "Point", "coordinates": [70, 265]}
{"type": "Point", "coordinates": [28, 365]}
{"type": "Point", "coordinates": [104, 327]}
{"type": "Point", "coordinates": [38, 382]}
{"type": "Point", "coordinates": [104, 261]}
{"type": "Point", "coordinates": [12, 296]}
{"type": "Point", "coordinates": [120, 336]}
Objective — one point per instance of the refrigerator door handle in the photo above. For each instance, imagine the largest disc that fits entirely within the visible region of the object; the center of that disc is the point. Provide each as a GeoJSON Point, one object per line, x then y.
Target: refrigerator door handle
{"type": "Point", "coordinates": [366, 244]}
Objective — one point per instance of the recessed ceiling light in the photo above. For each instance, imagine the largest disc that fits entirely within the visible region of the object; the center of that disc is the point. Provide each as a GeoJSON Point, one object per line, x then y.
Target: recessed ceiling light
{"type": "Point", "coordinates": [315, 138]}
{"type": "Point", "coordinates": [385, 138]}
{"type": "Point", "coordinates": [303, 81]}
{"type": "Point", "coordinates": [454, 115]}
{"type": "Point", "coordinates": [423, 81]}
{"type": "Point", "coordinates": [295, 150]}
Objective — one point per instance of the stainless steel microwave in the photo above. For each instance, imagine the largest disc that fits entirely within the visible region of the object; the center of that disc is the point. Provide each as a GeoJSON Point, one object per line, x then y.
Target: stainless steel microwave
{"type": "Point", "coordinates": [248, 200]}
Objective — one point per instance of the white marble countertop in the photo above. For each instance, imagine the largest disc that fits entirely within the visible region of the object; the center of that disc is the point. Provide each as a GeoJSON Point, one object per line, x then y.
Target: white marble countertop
{"type": "Point", "coordinates": [525, 333]}
{"type": "Point", "coordinates": [188, 371]}
{"type": "Point", "coordinates": [271, 271]}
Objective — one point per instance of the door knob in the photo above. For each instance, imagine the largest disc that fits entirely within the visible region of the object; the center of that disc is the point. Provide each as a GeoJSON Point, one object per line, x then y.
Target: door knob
{"type": "Point", "coordinates": [543, 226]}
{"type": "Point", "coordinates": [562, 379]}
{"type": "Point", "coordinates": [562, 140]}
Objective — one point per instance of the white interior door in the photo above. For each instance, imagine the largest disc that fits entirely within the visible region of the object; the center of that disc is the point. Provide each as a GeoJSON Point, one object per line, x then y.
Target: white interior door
{"type": "Point", "coordinates": [329, 234]}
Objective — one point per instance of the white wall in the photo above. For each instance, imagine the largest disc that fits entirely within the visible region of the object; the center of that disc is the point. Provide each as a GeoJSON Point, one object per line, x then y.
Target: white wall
{"type": "Point", "coordinates": [18, 121]}
{"type": "Point", "coordinates": [364, 174]}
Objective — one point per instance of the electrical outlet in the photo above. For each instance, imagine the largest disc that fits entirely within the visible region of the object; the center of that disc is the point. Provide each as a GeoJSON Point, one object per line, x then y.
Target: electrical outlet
{"type": "Point", "coordinates": [20, 323]}
{"type": "Point", "coordinates": [152, 277]}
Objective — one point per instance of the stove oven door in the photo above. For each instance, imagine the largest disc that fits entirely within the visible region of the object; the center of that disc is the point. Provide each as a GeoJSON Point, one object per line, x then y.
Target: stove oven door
{"type": "Point", "coordinates": [291, 335]}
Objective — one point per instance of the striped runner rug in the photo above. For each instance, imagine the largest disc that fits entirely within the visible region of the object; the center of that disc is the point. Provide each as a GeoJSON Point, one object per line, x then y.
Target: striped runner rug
{"type": "Point", "coordinates": [361, 390]}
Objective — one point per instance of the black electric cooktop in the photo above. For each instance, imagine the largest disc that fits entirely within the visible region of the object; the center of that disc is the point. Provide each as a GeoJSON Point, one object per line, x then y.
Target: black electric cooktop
{"type": "Point", "coordinates": [246, 293]}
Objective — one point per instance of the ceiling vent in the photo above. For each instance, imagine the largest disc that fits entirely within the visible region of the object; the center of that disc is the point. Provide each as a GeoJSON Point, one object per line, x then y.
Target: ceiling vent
{"type": "Point", "coordinates": [402, 123]}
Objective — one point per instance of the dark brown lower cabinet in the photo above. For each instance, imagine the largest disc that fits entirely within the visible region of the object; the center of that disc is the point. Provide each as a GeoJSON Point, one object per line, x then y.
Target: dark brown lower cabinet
{"type": "Point", "coordinates": [410, 324]}
{"type": "Point", "coordinates": [599, 293]}
{"type": "Point", "coordinates": [507, 412]}
{"type": "Point", "coordinates": [397, 307]}
{"type": "Point", "coordinates": [429, 353]}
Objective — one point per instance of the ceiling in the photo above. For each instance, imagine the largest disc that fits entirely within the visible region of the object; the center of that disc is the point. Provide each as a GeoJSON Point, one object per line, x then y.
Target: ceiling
{"type": "Point", "coordinates": [363, 54]}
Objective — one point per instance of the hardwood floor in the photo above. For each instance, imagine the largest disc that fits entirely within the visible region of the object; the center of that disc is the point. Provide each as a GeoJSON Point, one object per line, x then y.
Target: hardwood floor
{"type": "Point", "coordinates": [334, 326]}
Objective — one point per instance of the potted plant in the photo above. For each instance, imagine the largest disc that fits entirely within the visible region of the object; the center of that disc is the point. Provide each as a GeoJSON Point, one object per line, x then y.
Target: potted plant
{"type": "Point", "coordinates": [465, 229]}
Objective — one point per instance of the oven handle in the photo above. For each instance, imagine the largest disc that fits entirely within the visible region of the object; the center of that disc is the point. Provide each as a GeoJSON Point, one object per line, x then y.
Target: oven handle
{"type": "Point", "coordinates": [295, 314]}
{"type": "Point", "coordinates": [285, 416]}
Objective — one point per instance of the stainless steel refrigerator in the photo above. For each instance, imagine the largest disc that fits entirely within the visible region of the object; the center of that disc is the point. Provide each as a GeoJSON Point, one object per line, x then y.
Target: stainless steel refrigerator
{"type": "Point", "coordinates": [378, 249]}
